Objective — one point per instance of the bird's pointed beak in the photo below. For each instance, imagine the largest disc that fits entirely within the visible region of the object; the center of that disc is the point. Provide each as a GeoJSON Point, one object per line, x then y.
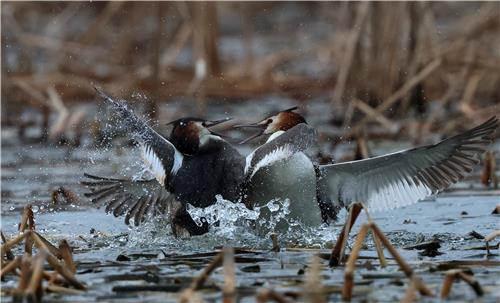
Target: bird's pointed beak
{"type": "Point", "coordinates": [258, 125]}
{"type": "Point", "coordinates": [209, 124]}
{"type": "Point", "coordinates": [253, 125]}
{"type": "Point", "coordinates": [253, 137]}
{"type": "Point", "coordinates": [215, 122]}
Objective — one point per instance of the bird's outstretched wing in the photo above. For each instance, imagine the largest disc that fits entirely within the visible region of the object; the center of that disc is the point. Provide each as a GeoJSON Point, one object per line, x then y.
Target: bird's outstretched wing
{"type": "Point", "coordinates": [159, 154]}
{"type": "Point", "coordinates": [134, 199]}
{"type": "Point", "coordinates": [297, 139]}
{"type": "Point", "coordinates": [405, 177]}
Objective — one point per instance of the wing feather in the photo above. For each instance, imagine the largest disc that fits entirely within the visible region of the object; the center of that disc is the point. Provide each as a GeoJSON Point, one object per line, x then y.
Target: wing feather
{"type": "Point", "coordinates": [134, 199]}
{"type": "Point", "coordinates": [405, 177]}
{"type": "Point", "coordinates": [160, 155]}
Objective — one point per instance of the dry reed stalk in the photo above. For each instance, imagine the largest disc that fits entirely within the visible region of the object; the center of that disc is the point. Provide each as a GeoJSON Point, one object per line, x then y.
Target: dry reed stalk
{"type": "Point", "coordinates": [200, 279]}
{"type": "Point", "coordinates": [380, 251]}
{"type": "Point", "coordinates": [52, 258]}
{"type": "Point", "coordinates": [8, 253]}
{"type": "Point", "coordinates": [410, 293]}
{"type": "Point", "coordinates": [27, 219]}
{"type": "Point", "coordinates": [25, 275]}
{"type": "Point", "coordinates": [337, 255]}
{"type": "Point", "coordinates": [474, 284]}
{"type": "Point", "coordinates": [450, 93]}
{"type": "Point", "coordinates": [492, 235]}
{"type": "Point", "coordinates": [276, 245]}
{"type": "Point", "coordinates": [58, 106]}
{"type": "Point", "coordinates": [488, 175]}
{"type": "Point", "coordinates": [28, 244]}
{"type": "Point", "coordinates": [205, 37]}
{"type": "Point", "coordinates": [362, 151]}
{"type": "Point", "coordinates": [313, 288]}
{"type": "Point", "coordinates": [469, 92]}
{"type": "Point", "coordinates": [350, 50]}
{"type": "Point", "coordinates": [452, 275]}
{"type": "Point", "coordinates": [229, 288]}
{"type": "Point", "coordinates": [351, 263]}
{"type": "Point", "coordinates": [67, 255]}
{"type": "Point", "coordinates": [420, 76]}
{"type": "Point", "coordinates": [422, 288]}
{"type": "Point", "coordinates": [34, 288]}
{"type": "Point", "coordinates": [63, 290]}
{"type": "Point", "coordinates": [471, 26]}
{"type": "Point", "coordinates": [447, 283]}
{"type": "Point", "coordinates": [43, 243]}
{"type": "Point", "coordinates": [181, 38]}
{"type": "Point", "coordinates": [53, 277]}
{"type": "Point", "coordinates": [266, 295]}
{"type": "Point", "coordinates": [376, 240]}
{"type": "Point", "coordinates": [57, 45]}
{"type": "Point", "coordinates": [10, 267]}
{"type": "Point", "coordinates": [9, 244]}
{"type": "Point", "coordinates": [95, 29]}
{"type": "Point", "coordinates": [158, 10]}
{"type": "Point", "coordinates": [415, 52]}
{"type": "Point", "coordinates": [382, 61]}
{"type": "Point", "coordinates": [63, 271]}
{"type": "Point", "coordinates": [374, 115]}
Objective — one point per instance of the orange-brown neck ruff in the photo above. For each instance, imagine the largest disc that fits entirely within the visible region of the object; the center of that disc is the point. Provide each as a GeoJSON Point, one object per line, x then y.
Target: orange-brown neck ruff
{"type": "Point", "coordinates": [186, 138]}
{"type": "Point", "coordinates": [288, 120]}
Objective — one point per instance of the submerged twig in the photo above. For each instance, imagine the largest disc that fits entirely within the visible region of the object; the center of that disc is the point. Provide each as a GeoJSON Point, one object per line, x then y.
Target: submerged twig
{"type": "Point", "coordinates": [67, 255]}
{"type": "Point", "coordinates": [270, 294]}
{"type": "Point", "coordinates": [27, 219]}
{"type": "Point", "coordinates": [454, 274]}
{"type": "Point", "coordinates": [313, 288]}
{"type": "Point", "coordinates": [276, 246]}
{"type": "Point", "coordinates": [11, 266]}
{"type": "Point", "coordinates": [229, 289]}
{"type": "Point", "coordinates": [8, 253]}
{"type": "Point", "coordinates": [199, 280]}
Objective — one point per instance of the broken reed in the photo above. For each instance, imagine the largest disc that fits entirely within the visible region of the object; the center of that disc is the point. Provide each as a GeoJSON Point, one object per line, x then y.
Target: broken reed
{"type": "Point", "coordinates": [30, 268]}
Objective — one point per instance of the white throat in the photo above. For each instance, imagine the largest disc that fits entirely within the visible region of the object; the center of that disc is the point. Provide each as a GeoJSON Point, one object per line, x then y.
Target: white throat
{"type": "Point", "coordinates": [275, 135]}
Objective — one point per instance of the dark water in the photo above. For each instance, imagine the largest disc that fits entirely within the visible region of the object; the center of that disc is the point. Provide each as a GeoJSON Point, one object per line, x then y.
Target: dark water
{"type": "Point", "coordinates": [31, 172]}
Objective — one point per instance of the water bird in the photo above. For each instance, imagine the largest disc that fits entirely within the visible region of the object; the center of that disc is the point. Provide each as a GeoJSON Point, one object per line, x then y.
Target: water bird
{"type": "Point", "coordinates": [384, 182]}
{"type": "Point", "coordinates": [193, 166]}
{"type": "Point", "coordinates": [295, 179]}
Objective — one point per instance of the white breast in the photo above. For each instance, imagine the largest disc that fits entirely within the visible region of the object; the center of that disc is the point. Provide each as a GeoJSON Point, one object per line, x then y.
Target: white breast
{"type": "Point", "coordinates": [294, 179]}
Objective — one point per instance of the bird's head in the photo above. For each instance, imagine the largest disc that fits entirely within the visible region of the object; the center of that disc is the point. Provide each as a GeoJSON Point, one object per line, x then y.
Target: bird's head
{"type": "Point", "coordinates": [188, 133]}
{"type": "Point", "coordinates": [282, 121]}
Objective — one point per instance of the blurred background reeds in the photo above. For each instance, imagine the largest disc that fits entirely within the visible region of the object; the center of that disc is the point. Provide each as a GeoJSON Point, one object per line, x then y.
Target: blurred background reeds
{"type": "Point", "coordinates": [375, 63]}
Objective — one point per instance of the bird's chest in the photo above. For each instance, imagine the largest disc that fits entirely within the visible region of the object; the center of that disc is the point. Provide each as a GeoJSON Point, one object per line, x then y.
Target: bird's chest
{"type": "Point", "coordinates": [197, 180]}
{"type": "Point", "coordinates": [295, 180]}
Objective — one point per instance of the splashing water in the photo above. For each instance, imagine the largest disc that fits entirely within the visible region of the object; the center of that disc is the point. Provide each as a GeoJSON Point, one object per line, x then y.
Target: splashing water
{"type": "Point", "coordinates": [234, 224]}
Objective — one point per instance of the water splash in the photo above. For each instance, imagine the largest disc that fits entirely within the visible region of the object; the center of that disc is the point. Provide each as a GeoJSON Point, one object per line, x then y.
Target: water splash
{"type": "Point", "coordinates": [233, 224]}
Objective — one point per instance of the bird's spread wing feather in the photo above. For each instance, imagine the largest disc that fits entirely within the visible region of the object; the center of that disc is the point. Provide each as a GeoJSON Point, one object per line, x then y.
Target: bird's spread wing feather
{"type": "Point", "coordinates": [297, 139]}
{"type": "Point", "coordinates": [159, 154]}
{"type": "Point", "coordinates": [405, 177]}
{"type": "Point", "coordinates": [134, 199]}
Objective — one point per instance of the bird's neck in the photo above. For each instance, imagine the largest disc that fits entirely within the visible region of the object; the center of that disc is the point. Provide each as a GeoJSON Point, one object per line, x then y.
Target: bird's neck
{"type": "Point", "coordinates": [275, 135]}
